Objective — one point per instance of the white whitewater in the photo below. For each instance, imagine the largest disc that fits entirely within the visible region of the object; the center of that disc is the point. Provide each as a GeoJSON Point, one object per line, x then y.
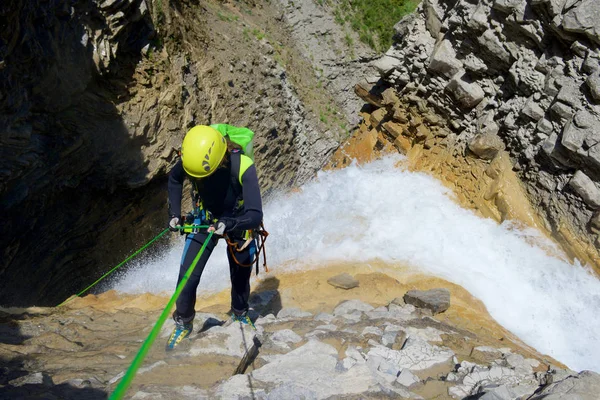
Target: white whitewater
{"type": "Point", "coordinates": [378, 211]}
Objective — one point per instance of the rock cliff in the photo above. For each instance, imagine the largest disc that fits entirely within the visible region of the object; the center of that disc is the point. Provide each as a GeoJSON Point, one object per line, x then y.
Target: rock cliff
{"type": "Point", "coordinates": [491, 78]}
{"type": "Point", "coordinates": [95, 97]}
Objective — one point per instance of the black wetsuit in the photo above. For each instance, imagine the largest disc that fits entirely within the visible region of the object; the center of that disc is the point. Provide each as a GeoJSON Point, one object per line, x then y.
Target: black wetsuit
{"type": "Point", "coordinates": [219, 194]}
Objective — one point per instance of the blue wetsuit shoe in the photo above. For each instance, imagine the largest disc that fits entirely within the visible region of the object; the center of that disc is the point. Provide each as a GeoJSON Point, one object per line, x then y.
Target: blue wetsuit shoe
{"type": "Point", "coordinates": [243, 318]}
{"type": "Point", "coordinates": [180, 332]}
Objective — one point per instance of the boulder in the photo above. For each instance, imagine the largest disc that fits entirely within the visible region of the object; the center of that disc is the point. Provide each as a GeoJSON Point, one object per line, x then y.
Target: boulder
{"type": "Point", "coordinates": [507, 6]}
{"type": "Point", "coordinates": [573, 137]}
{"type": "Point", "coordinates": [595, 223]}
{"type": "Point", "coordinates": [584, 18]}
{"type": "Point", "coordinates": [486, 146]}
{"type": "Point", "coordinates": [569, 94]}
{"type": "Point", "coordinates": [436, 300]}
{"type": "Point", "coordinates": [533, 110]}
{"type": "Point", "coordinates": [593, 83]}
{"type": "Point", "coordinates": [489, 41]}
{"type": "Point", "coordinates": [377, 116]}
{"type": "Point", "coordinates": [386, 64]}
{"type": "Point", "coordinates": [586, 189]}
{"type": "Point", "coordinates": [443, 60]}
{"type": "Point", "coordinates": [468, 94]}
{"type": "Point", "coordinates": [554, 7]}
{"type": "Point", "coordinates": [584, 119]}
{"type": "Point", "coordinates": [343, 281]}
{"type": "Point", "coordinates": [562, 110]}
{"type": "Point", "coordinates": [363, 90]}
{"type": "Point", "coordinates": [433, 17]}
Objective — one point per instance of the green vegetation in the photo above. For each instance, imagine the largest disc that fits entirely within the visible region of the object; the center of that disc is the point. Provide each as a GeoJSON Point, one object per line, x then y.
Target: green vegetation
{"type": "Point", "coordinates": [258, 34]}
{"type": "Point", "coordinates": [373, 20]}
{"type": "Point", "coordinates": [227, 17]}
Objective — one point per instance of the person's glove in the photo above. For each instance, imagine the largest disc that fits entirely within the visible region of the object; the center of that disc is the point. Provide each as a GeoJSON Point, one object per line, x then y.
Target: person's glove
{"type": "Point", "coordinates": [220, 228]}
{"type": "Point", "coordinates": [223, 225]}
{"type": "Point", "coordinates": [174, 223]}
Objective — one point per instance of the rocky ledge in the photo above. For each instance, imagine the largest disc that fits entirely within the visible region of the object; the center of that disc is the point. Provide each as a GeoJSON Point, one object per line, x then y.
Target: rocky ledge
{"type": "Point", "coordinates": [352, 350]}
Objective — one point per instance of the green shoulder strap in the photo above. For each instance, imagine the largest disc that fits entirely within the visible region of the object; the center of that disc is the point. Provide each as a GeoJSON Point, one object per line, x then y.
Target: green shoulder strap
{"type": "Point", "coordinates": [238, 135]}
{"type": "Point", "coordinates": [245, 163]}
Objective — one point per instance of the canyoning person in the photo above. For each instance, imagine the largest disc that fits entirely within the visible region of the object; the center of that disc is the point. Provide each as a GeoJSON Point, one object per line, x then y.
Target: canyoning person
{"type": "Point", "coordinates": [226, 196]}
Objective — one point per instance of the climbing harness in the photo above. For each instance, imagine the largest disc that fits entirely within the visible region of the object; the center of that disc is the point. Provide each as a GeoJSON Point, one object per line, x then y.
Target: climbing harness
{"type": "Point", "coordinates": [260, 235]}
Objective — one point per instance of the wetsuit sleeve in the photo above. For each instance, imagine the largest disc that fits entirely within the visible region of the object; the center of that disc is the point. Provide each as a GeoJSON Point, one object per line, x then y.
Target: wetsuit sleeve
{"type": "Point", "coordinates": [253, 214]}
{"type": "Point", "coordinates": [175, 188]}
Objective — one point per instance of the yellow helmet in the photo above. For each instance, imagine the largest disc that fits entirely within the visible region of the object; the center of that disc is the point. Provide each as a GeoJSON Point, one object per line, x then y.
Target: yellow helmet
{"type": "Point", "coordinates": [202, 150]}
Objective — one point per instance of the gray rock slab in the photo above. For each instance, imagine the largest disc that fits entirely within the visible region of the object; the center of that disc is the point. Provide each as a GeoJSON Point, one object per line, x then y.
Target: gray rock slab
{"type": "Point", "coordinates": [584, 386]}
{"type": "Point", "coordinates": [584, 18]}
{"type": "Point", "coordinates": [286, 336]}
{"type": "Point", "coordinates": [237, 387]}
{"type": "Point", "coordinates": [343, 281]}
{"type": "Point", "coordinates": [313, 366]}
{"type": "Point", "coordinates": [372, 330]}
{"type": "Point", "coordinates": [407, 378]}
{"type": "Point", "coordinates": [416, 355]}
{"type": "Point", "coordinates": [37, 378]}
{"type": "Point", "coordinates": [386, 64]}
{"type": "Point", "coordinates": [507, 392]}
{"type": "Point", "coordinates": [324, 317]}
{"type": "Point", "coordinates": [402, 313]}
{"type": "Point", "coordinates": [350, 306]}
{"type": "Point", "coordinates": [436, 300]}
{"type": "Point", "coordinates": [227, 340]}
{"type": "Point", "coordinates": [292, 312]}
{"type": "Point", "coordinates": [353, 317]}
{"type": "Point", "coordinates": [328, 327]}
{"type": "Point", "coordinates": [586, 188]}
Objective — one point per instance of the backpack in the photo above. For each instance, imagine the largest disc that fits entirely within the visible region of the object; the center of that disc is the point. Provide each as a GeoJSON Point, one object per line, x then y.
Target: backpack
{"type": "Point", "coordinates": [243, 138]}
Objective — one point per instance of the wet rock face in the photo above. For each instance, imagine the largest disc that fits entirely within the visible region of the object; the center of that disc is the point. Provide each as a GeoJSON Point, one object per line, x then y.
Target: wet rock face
{"type": "Point", "coordinates": [526, 71]}
{"type": "Point", "coordinates": [95, 98]}
{"type": "Point", "coordinates": [66, 152]}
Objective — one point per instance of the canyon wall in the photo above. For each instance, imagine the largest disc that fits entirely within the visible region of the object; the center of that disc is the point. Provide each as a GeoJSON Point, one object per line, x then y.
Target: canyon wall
{"type": "Point", "coordinates": [520, 76]}
{"type": "Point", "coordinates": [95, 98]}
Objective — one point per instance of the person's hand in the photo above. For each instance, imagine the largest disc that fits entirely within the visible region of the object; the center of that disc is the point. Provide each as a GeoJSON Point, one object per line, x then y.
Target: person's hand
{"type": "Point", "coordinates": [174, 223]}
{"type": "Point", "coordinates": [218, 228]}
{"type": "Point", "coordinates": [222, 226]}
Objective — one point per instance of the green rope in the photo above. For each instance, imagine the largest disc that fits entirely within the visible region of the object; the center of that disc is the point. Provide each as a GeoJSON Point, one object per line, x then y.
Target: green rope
{"type": "Point", "coordinates": [129, 258]}
{"type": "Point", "coordinates": [139, 358]}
